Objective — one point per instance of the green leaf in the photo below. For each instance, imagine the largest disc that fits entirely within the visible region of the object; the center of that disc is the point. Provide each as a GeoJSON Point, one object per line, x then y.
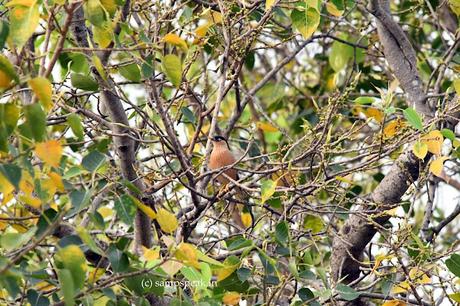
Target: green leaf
{"type": "Point", "coordinates": [282, 232]}
{"type": "Point", "coordinates": [126, 209]}
{"type": "Point", "coordinates": [364, 100]}
{"type": "Point", "coordinates": [448, 134]}
{"type": "Point", "coordinates": [172, 67]}
{"type": "Point", "coordinates": [455, 296]}
{"type": "Point", "coordinates": [23, 22]}
{"type": "Point", "coordinates": [305, 294]}
{"type": "Point", "coordinates": [76, 126]}
{"type": "Point", "coordinates": [305, 20]}
{"type": "Point", "coordinates": [4, 30]}
{"type": "Point", "coordinates": [93, 161]}
{"type": "Point", "coordinates": [12, 174]}
{"type": "Point", "coordinates": [188, 114]}
{"type": "Point", "coordinates": [313, 223]}
{"type": "Point", "coordinates": [9, 115]}
{"type": "Point", "coordinates": [79, 199]}
{"type": "Point", "coordinates": [95, 12]}
{"type": "Point", "coordinates": [67, 286]}
{"type": "Point", "coordinates": [36, 121]}
{"type": "Point", "coordinates": [453, 264]}
{"type": "Point", "coordinates": [346, 292]}
{"type": "Point", "coordinates": [413, 118]}
{"type": "Point", "coordinates": [83, 82]}
{"type": "Point", "coordinates": [340, 55]}
{"type": "Point", "coordinates": [73, 259]}
{"type": "Point", "coordinates": [131, 72]}
{"type": "Point", "coordinates": [267, 189]}
{"type": "Point", "coordinates": [36, 299]}
{"type": "Point", "coordinates": [11, 241]}
{"type": "Point", "coordinates": [118, 259]}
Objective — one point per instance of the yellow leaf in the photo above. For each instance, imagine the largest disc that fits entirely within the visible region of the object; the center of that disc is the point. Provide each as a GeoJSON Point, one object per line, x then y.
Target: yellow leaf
{"type": "Point", "coordinates": [43, 90]}
{"type": "Point", "coordinates": [269, 4]}
{"type": "Point", "coordinates": [95, 275]}
{"type": "Point", "coordinates": [456, 143]}
{"type": "Point", "coordinates": [437, 165]}
{"type": "Point", "coordinates": [401, 287]}
{"type": "Point", "coordinates": [434, 140]}
{"type": "Point", "coordinates": [378, 260]}
{"type": "Point", "coordinates": [175, 40]}
{"type": "Point", "coordinates": [372, 112]}
{"type": "Point", "coordinates": [227, 270]}
{"type": "Point", "coordinates": [145, 209]}
{"type": "Point", "coordinates": [31, 201]}
{"type": "Point", "coordinates": [3, 224]}
{"type": "Point", "coordinates": [103, 35]}
{"type": "Point", "coordinates": [44, 286]}
{"type": "Point", "coordinates": [231, 298]}
{"type": "Point", "coordinates": [246, 219]}
{"type": "Point", "coordinates": [171, 267]}
{"type": "Point", "coordinates": [266, 127]}
{"type": "Point", "coordinates": [457, 82]}
{"type": "Point", "coordinates": [5, 186]}
{"type": "Point", "coordinates": [394, 303]}
{"type": "Point", "coordinates": [167, 220]}
{"type": "Point", "coordinates": [201, 31]}
{"type": "Point", "coordinates": [420, 149]}
{"type": "Point", "coordinates": [150, 254]}
{"type": "Point", "coordinates": [5, 80]}
{"type": "Point", "coordinates": [186, 253]}
{"type": "Point", "coordinates": [28, 3]}
{"type": "Point", "coordinates": [215, 17]}
{"type": "Point", "coordinates": [99, 67]}
{"type": "Point", "coordinates": [419, 277]}
{"type": "Point", "coordinates": [105, 211]}
{"type": "Point", "coordinates": [57, 180]}
{"type": "Point", "coordinates": [49, 152]}
{"type": "Point", "coordinates": [333, 10]}
{"type": "Point", "coordinates": [26, 184]}
{"type": "Point", "coordinates": [393, 127]}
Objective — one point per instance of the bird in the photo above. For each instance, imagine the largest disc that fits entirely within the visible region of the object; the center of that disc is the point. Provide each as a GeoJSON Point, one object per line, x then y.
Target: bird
{"type": "Point", "coordinates": [221, 157]}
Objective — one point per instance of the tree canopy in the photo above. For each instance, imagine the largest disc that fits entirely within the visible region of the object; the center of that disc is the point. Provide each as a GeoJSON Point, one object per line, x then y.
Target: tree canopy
{"type": "Point", "coordinates": [342, 116]}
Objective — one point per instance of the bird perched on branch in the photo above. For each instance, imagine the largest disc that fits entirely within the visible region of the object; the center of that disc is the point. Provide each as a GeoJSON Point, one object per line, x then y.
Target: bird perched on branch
{"type": "Point", "coordinates": [221, 157]}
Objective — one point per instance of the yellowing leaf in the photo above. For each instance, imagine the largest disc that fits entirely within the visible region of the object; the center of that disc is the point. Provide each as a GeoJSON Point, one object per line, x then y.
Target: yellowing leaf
{"type": "Point", "coordinates": [394, 303]}
{"type": "Point", "coordinates": [31, 201]}
{"type": "Point", "coordinates": [269, 4]}
{"type": "Point", "coordinates": [419, 277]}
{"type": "Point", "coordinates": [186, 253]}
{"type": "Point", "coordinates": [215, 17]}
{"type": "Point", "coordinates": [26, 184]}
{"type": "Point", "coordinates": [95, 275]}
{"type": "Point", "coordinates": [49, 152]}
{"type": "Point", "coordinates": [105, 211]}
{"type": "Point", "coordinates": [145, 209]}
{"type": "Point", "coordinates": [171, 267]}
{"type": "Point", "coordinates": [434, 140]}
{"type": "Point", "coordinates": [57, 180]}
{"type": "Point", "coordinates": [401, 287]}
{"type": "Point", "coordinates": [103, 35]}
{"type": "Point", "coordinates": [166, 220]}
{"type": "Point", "coordinates": [229, 267]}
{"type": "Point", "coordinates": [266, 127]}
{"type": "Point", "coordinates": [5, 186]}
{"type": "Point", "coordinates": [175, 40]}
{"type": "Point", "coordinates": [305, 20]}
{"type": "Point", "coordinates": [201, 31]}
{"type": "Point", "coordinates": [420, 149]}
{"type": "Point", "coordinates": [151, 254]}
{"type": "Point", "coordinates": [457, 81]}
{"type": "Point", "coordinates": [231, 298]}
{"type": "Point", "coordinates": [49, 187]}
{"type": "Point", "coordinates": [99, 67]}
{"type": "Point", "coordinates": [372, 112]}
{"type": "Point", "coordinates": [378, 260]}
{"type": "Point", "coordinates": [43, 90]}
{"type": "Point", "coordinates": [437, 165]}
{"type": "Point", "coordinates": [23, 22]}
{"type": "Point", "coordinates": [246, 219]}
{"type": "Point", "coordinates": [393, 127]}
{"type": "Point", "coordinates": [333, 10]}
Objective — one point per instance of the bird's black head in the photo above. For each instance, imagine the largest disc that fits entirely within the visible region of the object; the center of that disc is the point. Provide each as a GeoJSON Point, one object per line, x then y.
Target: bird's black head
{"type": "Point", "coordinates": [218, 138]}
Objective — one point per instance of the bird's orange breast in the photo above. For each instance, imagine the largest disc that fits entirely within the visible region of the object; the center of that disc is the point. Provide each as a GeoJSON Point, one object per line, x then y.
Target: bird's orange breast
{"type": "Point", "coordinates": [221, 157]}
